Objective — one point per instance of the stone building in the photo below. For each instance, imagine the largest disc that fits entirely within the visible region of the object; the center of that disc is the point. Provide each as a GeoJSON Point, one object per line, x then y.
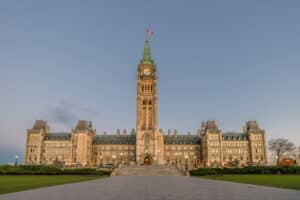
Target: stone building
{"type": "Point", "coordinates": [146, 144]}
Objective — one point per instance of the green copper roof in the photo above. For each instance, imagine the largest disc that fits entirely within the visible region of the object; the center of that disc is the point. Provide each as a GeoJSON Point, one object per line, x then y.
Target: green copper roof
{"type": "Point", "coordinates": [234, 136]}
{"type": "Point", "coordinates": [58, 136]}
{"type": "Point", "coordinates": [114, 139]}
{"type": "Point", "coordinates": [181, 139]}
{"type": "Point", "coordinates": [147, 58]}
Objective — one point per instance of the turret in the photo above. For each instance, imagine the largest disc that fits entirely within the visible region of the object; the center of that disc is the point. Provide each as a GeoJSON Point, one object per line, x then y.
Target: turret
{"type": "Point", "coordinates": [34, 142]}
{"type": "Point", "coordinates": [257, 142]}
{"type": "Point", "coordinates": [82, 139]}
{"type": "Point", "coordinates": [211, 137]}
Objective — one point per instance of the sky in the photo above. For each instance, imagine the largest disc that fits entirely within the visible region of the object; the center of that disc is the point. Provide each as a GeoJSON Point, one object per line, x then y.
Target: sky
{"type": "Point", "coordinates": [229, 61]}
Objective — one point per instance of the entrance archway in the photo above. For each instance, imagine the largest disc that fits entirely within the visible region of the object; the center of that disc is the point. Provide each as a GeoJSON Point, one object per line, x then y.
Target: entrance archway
{"type": "Point", "coordinates": [147, 160]}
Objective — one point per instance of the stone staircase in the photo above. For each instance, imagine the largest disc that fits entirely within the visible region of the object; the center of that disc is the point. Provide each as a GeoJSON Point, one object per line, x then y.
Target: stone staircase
{"type": "Point", "coordinates": [147, 170]}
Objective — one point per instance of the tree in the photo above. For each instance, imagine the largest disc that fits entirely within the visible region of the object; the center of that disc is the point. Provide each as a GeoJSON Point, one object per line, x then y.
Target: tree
{"type": "Point", "coordinates": [281, 147]}
{"type": "Point", "coordinates": [132, 132]}
{"type": "Point", "coordinates": [298, 155]}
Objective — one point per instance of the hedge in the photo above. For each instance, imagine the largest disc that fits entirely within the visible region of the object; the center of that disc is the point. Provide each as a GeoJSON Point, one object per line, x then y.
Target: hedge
{"type": "Point", "coordinates": [246, 170]}
{"type": "Point", "coordinates": [49, 170]}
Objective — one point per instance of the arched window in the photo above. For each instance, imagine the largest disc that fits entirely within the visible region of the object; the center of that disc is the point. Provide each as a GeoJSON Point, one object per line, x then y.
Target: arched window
{"type": "Point", "coordinates": [147, 140]}
{"type": "Point", "coordinates": [150, 102]}
{"type": "Point", "coordinates": [144, 102]}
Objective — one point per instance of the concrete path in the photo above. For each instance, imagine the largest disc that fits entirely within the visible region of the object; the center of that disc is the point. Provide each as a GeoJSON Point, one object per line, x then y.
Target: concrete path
{"type": "Point", "coordinates": [154, 187]}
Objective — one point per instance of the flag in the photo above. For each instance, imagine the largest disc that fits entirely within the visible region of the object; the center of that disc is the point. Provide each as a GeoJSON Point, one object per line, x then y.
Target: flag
{"type": "Point", "coordinates": [149, 32]}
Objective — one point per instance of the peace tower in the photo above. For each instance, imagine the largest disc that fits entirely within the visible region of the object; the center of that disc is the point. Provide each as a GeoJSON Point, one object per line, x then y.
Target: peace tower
{"type": "Point", "coordinates": [149, 142]}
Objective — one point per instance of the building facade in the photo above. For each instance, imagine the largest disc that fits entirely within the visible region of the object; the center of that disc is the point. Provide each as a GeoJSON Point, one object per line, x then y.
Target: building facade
{"type": "Point", "coordinates": [146, 144]}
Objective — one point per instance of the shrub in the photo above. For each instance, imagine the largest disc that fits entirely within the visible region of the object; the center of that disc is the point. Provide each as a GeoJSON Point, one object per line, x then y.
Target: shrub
{"type": "Point", "coordinates": [246, 170]}
{"type": "Point", "coordinates": [49, 170]}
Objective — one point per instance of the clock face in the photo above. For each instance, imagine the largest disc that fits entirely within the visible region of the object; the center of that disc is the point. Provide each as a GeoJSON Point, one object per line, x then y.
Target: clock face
{"type": "Point", "coordinates": [146, 72]}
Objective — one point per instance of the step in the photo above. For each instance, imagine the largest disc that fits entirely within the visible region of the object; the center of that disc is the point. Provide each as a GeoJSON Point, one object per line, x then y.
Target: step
{"type": "Point", "coordinates": [158, 170]}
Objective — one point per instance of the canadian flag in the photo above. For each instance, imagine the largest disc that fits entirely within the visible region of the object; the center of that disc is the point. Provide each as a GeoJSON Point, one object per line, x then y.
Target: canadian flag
{"type": "Point", "coordinates": [149, 32]}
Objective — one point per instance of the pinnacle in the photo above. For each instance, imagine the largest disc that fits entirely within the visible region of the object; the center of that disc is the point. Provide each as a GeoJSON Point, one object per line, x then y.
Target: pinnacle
{"type": "Point", "coordinates": [147, 58]}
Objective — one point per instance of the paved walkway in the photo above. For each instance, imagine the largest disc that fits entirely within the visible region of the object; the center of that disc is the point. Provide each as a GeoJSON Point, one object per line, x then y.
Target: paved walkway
{"type": "Point", "coordinates": [154, 187]}
{"type": "Point", "coordinates": [151, 170]}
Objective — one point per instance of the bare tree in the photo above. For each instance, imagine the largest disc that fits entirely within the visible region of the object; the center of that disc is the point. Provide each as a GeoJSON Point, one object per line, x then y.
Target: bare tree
{"type": "Point", "coordinates": [281, 147]}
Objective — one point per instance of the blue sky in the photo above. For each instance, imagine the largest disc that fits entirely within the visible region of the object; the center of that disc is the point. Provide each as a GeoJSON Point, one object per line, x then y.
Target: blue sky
{"type": "Point", "coordinates": [231, 61]}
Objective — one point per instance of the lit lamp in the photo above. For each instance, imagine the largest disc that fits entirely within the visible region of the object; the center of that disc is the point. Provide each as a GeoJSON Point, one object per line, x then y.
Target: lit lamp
{"type": "Point", "coordinates": [16, 160]}
{"type": "Point", "coordinates": [113, 157]}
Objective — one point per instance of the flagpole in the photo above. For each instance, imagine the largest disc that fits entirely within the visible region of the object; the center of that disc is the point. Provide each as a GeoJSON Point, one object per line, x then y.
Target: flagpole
{"type": "Point", "coordinates": [147, 34]}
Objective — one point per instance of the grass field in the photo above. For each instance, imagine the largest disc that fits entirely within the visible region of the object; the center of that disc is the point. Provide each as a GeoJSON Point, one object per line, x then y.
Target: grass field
{"type": "Point", "coordinates": [280, 181]}
{"type": "Point", "coordinates": [25, 182]}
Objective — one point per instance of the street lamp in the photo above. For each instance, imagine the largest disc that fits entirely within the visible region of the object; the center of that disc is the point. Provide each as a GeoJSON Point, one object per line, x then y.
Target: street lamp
{"type": "Point", "coordinates": [113, 157]}
{"type": "Point", "coordinates": [101, 157]}
{"type": "Point", "coordinates": [186, 164]}
{"type": "Point", "coordinates": [16, 160]}
{"type": "Point", "coordinates": [176, 154]}
{"type": "Point", "coordinates": [121, 155]}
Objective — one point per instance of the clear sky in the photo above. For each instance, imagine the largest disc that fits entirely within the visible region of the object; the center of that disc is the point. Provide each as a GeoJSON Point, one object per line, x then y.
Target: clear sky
{"type": "Point", "coordinates": [231, 61]}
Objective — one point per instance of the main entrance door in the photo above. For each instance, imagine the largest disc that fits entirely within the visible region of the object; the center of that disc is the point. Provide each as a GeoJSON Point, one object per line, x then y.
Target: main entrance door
{"type": "Point", "coordinates": [147, 160]}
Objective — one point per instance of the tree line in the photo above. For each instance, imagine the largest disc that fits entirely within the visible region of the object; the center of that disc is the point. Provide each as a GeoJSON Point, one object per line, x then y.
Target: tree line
{"type": "Point", "coordinates": [281, 147]}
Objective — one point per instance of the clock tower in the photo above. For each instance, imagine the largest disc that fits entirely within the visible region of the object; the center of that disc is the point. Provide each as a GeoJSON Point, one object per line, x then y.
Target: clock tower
{"type": "Point", "coordinates": [149, 142]}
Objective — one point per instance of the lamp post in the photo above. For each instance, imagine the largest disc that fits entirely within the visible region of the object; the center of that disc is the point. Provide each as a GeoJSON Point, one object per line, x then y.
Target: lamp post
{"type": "Point", "coordinates": [176, 154]}
{"type": "Point", "coordinates": [113, 157]}
{"type": "Point", "coordinates": [101, 157]}
{"type": "Point", "coordinates": [121, 156]}
{"type": "Point", "coordinates": [195, 161]}
{"type": "Point", "coordinates": [186, 164]}
{"type": "Point", "coordinates": [16, 160]}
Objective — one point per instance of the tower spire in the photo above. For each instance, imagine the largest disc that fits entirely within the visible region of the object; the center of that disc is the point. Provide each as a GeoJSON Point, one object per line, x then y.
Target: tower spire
{"type": "Point", "coordinates": [147, 58]}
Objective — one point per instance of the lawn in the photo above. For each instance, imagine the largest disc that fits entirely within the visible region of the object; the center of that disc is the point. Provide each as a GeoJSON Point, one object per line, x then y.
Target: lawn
{"type": "Point", "coordinates": [280, 181]}
{"type": "Point", "coordinates": [14, 183]}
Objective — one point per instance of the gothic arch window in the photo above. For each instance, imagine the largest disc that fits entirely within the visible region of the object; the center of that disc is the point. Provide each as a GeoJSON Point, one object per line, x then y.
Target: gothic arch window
{"type": "Point", "coordinates": [150, 102]}
{"type": "Point", "coordinates": [147, 140]}
{"type": "Point", "coordinates": [144, 102]}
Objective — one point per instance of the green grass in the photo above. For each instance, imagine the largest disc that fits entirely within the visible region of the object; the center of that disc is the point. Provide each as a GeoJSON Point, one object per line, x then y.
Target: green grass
{"type": "Point", "coordinates": [14, 183]}
{"type": "Point", "coordinates": [280, 181]}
